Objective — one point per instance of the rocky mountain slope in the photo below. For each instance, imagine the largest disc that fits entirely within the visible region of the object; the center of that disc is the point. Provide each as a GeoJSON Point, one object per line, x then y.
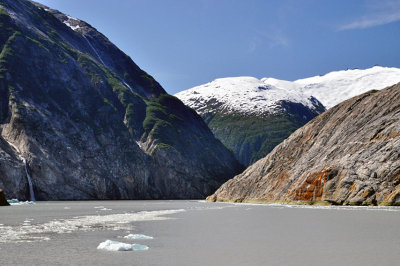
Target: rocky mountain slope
{"type": "Point", "coordinates": [348, 155]}
{"type": "Point", "coordinates": [249, 116]}
{"type": "Point", "coordinates": [80, 120]}
{"type": "Point", "coordinates": [338, 86]}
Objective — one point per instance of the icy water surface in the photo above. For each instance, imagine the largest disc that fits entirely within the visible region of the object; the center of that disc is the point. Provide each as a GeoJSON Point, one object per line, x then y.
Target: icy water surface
{"type": "Point", "coordinates": [196, 233]}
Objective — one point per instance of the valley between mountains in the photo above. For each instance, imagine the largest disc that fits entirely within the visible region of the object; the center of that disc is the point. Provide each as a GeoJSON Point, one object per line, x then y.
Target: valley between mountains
{"type": "Point", "coordinates": [79, 120]}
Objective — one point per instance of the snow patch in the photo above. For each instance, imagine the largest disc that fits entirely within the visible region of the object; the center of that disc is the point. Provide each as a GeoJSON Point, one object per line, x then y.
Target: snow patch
{"type": "Point", "coordinates": [119, 246]}
{"type": "Point", "coordinates": [72, 27]}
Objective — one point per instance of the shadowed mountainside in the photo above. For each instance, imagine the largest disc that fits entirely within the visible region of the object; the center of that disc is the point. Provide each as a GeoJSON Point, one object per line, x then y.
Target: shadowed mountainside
{"type": "Point", "coordinates": [81, 119]}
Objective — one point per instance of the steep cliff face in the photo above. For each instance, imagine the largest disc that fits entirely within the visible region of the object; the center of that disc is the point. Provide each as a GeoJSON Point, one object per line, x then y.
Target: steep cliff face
{"type": "Point", "coordinates": [348, 155]}
{"type": "Point", "coordinates": [249, 116]}
{"type": "Point", "coordinates": [85, 122]}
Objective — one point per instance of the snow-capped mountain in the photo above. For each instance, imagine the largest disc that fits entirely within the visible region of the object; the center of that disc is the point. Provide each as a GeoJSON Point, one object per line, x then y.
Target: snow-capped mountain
{"type": "Point", "coordinates": [338, 86]}
{"type": "Point", "coordinates": [250, 95]}
{"type": "Point", "coordinates": [249, 116]}
{"type": "Point", "coordinates": [244, 95]}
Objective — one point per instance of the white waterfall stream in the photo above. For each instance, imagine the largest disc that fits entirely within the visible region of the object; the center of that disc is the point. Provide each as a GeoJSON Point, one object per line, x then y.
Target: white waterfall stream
{"type": "Point", "coordinates": [101, 60]}
{"type": "Point", "coordinates": [94, 50]}
{"type": "Point", "coordinates": [28, 176]}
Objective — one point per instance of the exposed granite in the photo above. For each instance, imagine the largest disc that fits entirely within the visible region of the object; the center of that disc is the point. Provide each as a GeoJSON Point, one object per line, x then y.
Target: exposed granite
{"type": "Point", "coordinates": [347, 155]}
{"type": "Point", "coordinates": [88, 123]}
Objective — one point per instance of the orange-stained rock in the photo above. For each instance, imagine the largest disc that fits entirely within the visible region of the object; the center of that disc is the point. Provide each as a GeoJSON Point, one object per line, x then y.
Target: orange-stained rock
{"type": "Point", "coordinates": [349, 154]}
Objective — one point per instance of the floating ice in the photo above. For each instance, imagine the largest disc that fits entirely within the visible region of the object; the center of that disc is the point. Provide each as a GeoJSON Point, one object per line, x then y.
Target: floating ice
{"type": "Point", "coordinates": [119, 246]}
{"type": "Point", "coordinates": [17, 202]}
{"type": "Point", "coordinates": [324, 207]}
{"type": "Point", "coordinates": [40, 232]}
{"type": "Point", "coordinates": [137, 236]}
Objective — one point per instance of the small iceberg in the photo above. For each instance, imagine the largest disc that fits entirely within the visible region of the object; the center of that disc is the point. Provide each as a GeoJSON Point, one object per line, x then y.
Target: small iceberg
{"type": "Point", "coordinates": [137, 236]}
{"type": "Point", "coordinates": [17, 202]}
{"type": "Point", "coordinates": [119, 246]}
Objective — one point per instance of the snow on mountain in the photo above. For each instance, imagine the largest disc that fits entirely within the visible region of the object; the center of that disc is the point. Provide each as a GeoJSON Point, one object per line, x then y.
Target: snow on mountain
{"type": "Point", "coordinates": [253, 96]}
{"type": "Point", "coordinates": [246, 95]}
{"type": "Point", "coordinates": [338, 86]}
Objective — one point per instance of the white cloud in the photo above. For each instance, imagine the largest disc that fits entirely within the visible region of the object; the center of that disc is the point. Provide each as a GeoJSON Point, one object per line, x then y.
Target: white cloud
{"type": "Point", "coordinates": [379, 13]}
{"type": "Point", "coordinates": [271, 38]}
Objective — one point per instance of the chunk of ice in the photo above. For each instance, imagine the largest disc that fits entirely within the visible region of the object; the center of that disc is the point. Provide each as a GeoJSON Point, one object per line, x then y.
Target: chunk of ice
{"type": "Point", "coordinates": [119, 246]}
{"type": "Point", "coordinates": [137, 236]}
{"type": "Point", "coordinates": [17, 202]}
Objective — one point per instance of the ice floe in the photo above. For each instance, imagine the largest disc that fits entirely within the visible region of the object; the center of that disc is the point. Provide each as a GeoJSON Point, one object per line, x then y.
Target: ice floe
{"type": "Point", "coordinates": [137, 236]}
{"type": "Point", "coordinates": [17, 202]}
{"type": "Point", "coordinates": [119, 246]}
{"type": "Point", "coordinates": [42, 231]}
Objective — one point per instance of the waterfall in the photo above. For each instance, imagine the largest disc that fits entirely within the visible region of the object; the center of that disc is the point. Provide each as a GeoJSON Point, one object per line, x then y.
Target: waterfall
{"type": "Point", "coordinates": [101, 60]}
{"type": "Point", "coordinates": [127, 85]}
{"type": "Point", "coordinates": [28, 176]}
{"type": "Point", "coordinates": [94, 50]}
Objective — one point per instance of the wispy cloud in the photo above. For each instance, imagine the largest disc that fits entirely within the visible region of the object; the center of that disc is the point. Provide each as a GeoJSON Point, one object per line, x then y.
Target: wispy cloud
{"type": "Point", "coordinates": [271, 38]}
{"type": "Point", "coordinates": [379, 13]}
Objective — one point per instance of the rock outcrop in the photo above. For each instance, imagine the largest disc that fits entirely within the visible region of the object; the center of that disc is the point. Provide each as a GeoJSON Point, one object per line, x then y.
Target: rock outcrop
{"type": "Point", "coordinates": [3, 200]}
{"type": "Point", "coordinates": [348, 155]}
{"type": "Point", "coordinates": [85, 122]}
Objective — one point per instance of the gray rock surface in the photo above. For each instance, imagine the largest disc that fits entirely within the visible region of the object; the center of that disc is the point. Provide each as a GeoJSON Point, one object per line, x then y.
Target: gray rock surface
{"type": "Point", "coordinates": [3, 200]}
{"type": "Point", "coordinates": [347, 155]}
{"type": "Point", "coordinates": [88, 123]}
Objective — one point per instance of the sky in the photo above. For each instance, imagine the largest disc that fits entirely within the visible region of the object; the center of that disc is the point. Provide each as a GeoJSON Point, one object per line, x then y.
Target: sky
{"type": "Point", "coordinates": [185, 43]}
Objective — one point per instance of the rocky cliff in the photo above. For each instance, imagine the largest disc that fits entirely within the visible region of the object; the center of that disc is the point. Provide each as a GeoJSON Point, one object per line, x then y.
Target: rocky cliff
{"type": "Point", "coordinates": [80, 120]}
{"type": "Point", "coordinates": [348, 155]}
{"type": "Point", "coordinates": [249, 116]}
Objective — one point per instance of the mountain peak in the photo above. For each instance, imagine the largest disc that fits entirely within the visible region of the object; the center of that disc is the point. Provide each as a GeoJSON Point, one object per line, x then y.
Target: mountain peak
{"type": "Point", "coordinates": [244, 95]}
{"type": "Point", "coordinates": [337, 86]}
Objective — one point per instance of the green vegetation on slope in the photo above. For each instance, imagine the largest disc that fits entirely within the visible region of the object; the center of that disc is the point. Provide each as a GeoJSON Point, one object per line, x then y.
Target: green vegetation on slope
{"type": "Point", "coordinates": [251, 138]}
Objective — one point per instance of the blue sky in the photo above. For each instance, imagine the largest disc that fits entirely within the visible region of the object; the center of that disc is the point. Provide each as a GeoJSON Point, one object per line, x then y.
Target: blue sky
{"type": "Point", "coordinates": [185, 43]}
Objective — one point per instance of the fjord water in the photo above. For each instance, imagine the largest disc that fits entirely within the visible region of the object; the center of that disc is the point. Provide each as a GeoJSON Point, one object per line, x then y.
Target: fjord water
{"type": "Point", "coordinates": [198, 233]}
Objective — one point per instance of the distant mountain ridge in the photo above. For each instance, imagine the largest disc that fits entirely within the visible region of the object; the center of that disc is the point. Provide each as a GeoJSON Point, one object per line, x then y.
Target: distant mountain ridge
{"type": "Point", "coordinates": [338, 86]}
{"type": "Point", "coordinates": [244, 95]}
{"type": "Point", "coordinates": [249, 116]}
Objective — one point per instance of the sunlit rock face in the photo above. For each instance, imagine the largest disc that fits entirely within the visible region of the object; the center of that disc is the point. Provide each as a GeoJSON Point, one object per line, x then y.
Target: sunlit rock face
{"type": "Point", "coordinates": [89, 123]}
{"type": "Point", "coordinates": [348, 155]}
